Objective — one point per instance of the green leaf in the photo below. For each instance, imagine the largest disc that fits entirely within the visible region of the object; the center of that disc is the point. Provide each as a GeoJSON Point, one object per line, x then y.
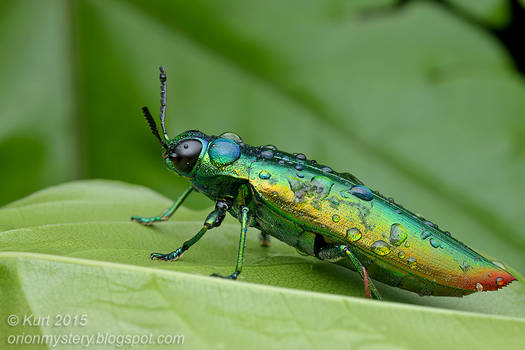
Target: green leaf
{"type": "Point", "coordinates": [71, 249]}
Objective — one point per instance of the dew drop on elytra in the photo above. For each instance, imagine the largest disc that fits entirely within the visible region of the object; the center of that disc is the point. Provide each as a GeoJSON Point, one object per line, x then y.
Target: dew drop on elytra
{"type": "Point", "coordinates": [264, 175]}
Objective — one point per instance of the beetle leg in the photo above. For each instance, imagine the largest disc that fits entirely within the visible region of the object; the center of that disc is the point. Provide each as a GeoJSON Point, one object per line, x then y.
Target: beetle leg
{"type": "Point", "coordinates": [264, 239]}
{"type": "Point", "coordinates": [167, 214]}
{"type": "Point", "coordinates": [242, 244]}
{"type": "Point", "coordinates": [337, 252]}
{"type": "Point", "coordinates": [214, 219]}
{"type": "Point", "coordinates": [370, 288]}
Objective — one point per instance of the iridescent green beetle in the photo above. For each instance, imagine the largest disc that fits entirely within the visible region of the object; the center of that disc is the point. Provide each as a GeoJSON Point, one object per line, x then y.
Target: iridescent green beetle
{"type": "Point", "coordinates": [332, 216]}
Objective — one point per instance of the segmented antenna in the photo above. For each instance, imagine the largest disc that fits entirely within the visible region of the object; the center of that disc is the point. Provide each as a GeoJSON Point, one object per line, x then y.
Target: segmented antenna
{"type": "Point", "coordinates": [163, 88]}
{"type": "Point", "coordinates": [153, 126]}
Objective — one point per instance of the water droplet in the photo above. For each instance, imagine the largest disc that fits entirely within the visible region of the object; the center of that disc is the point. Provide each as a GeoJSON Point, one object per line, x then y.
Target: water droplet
{"type": "Point", "coordinates": [265, 175]}
{"type": "Point", "coordinates": [267, 154]}
{"type": "Point", "coordinates": [327, 170]}
{"type": "Point", "coordinates": [272, 147]}
{"type": "Point", "coordinates": [499, 281]}
{"type": "Point", "coordinates": [362, 192]}
{"type": "Point", "coordinates": [425, 234]}
{"type": "Point", "coordinates": [233, 137]}
{"type": "Point", "coordinates": [435, 243]}
{"type": "Point", "coordinates": [336, 218]}
{"type": "Point", "coordinates": [300, 175]}
{"type": "Point", "coordinates": [300, 156]}
{"type": "Point", "coordinates": [275, 193]}
{"type": "Point", "coordinates": [390, 199]}
{"type": "Point", "coordinates": [401, 255]}
{"type": "Point", "coordinates": [407, 244]}
{"type": "Point", "coordinates": [298, 167]}
{"type": "Point", "coordinates": [479, 287]}
{"type": "Point", "coordinates": [500, 265]}
{"type": "Point", "coordinates": [353, 234]}
{"type": "Point", "coordinates": [448, 234]}
{"type": "Point", "coordinates": [380, 247]}
{"type": "Point", "coordinates": [313, 161]}
{"type": "Point", "coordinates": [224, 152]}
{"type": "Point", "coordinates": [412, 263]}
{"type": "Point", "coordinates": [398, 234]}
{"type": "Point", "coordinates": [431, 224]}
{"type": "Point", "coordinates": [282, 162]}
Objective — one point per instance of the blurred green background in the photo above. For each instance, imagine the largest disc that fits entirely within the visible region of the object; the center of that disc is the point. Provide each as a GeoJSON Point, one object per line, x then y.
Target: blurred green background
{"type": "Point", "coordinates": [419, 99]}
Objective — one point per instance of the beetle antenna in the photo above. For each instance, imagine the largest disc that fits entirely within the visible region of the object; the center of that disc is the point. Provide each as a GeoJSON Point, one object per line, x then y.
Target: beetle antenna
{"type": "Point", "coordinates": [153, 126]}
{"type": "Point", "coordinates": [163, 88]}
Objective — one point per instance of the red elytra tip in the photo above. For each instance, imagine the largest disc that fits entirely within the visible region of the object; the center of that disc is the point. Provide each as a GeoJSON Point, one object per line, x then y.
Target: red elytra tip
{"type": "Point", "coordinates": [494, 280]}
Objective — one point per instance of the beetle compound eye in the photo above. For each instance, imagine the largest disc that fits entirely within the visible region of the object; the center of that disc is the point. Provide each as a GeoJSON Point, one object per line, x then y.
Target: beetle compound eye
{"type": "Point", "coordinates": [224, 152]}
{"type": "Point", "coordinates": [185, 155]}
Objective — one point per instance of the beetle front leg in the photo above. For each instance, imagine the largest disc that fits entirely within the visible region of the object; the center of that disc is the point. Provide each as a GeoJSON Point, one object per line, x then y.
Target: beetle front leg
{"type": "Point", "coordinates": [214, 219]}
{"type": "Point", "coordinates": [167, 214]}
{"type": "Point", "coordinates": [242, 243]}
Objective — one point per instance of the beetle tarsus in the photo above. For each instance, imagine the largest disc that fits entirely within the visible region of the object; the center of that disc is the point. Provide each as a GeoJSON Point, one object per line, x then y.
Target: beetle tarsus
{"type": "Point", "coordinates": [147, 221]}
{"type": "Point", "coordinates": [233, 276]}
{"type": "Point", "coordinates": [173, 256]}
{"type": "Point", "coordinates": [264, 240]}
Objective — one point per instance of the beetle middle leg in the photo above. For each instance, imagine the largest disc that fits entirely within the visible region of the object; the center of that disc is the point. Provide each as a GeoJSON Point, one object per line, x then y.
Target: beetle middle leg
{"type": "Point", "coordinates": [214, 219]}
{"type": "Point", "coordinates": [245, 218]}
{"type": "Point", "coordinates": [336, 252]}
{"type": "Point", "coordinates": [167, 214]}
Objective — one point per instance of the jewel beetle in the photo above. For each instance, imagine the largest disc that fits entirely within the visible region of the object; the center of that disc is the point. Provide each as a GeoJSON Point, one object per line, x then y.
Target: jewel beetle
{"type": "Point", "coordinates": [323, 213]}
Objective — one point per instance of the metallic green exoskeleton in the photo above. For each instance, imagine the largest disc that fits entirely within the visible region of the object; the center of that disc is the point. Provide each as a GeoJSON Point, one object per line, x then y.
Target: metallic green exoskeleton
{"type": "Point", "coordinates": [332, 216]}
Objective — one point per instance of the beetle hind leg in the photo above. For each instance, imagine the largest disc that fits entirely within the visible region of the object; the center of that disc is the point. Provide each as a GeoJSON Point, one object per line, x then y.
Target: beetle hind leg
{"type": "Point", "coordinates": [337, 252]}
{"type": "Point", "coordinates": [264, 239]}
{"type": "Point", "coordinates": [370, 288]}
